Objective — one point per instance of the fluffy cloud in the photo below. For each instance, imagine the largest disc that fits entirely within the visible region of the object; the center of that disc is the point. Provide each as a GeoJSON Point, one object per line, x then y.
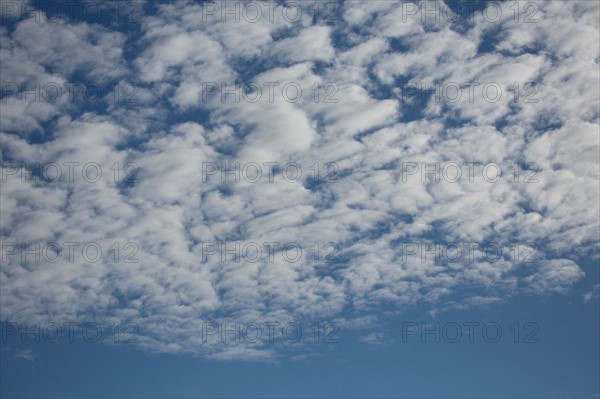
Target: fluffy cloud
{"type": "Point", "coordinates": [366, 149]}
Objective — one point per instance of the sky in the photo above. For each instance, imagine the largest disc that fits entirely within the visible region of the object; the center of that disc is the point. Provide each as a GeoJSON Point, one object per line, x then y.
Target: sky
{"type": "Point", "coordinates": [313, 199]}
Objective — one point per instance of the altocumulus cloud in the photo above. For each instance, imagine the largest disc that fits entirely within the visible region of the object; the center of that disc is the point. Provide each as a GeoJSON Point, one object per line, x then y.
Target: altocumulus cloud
{"type": "Point", "coordinates": [385, 103]}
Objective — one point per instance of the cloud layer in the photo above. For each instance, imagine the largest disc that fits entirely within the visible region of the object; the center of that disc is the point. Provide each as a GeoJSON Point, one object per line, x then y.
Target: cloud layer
{"type": "Point", "coordinates": [362, 97]}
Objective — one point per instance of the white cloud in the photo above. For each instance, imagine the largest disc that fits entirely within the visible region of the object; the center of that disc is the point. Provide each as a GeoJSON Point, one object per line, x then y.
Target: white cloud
{"type": "Point", "coordinates": [370, 133]}
{"type": "Point", "coordinates": [26, 354]}
{"type": "Point", "coordinates": [311, 44]}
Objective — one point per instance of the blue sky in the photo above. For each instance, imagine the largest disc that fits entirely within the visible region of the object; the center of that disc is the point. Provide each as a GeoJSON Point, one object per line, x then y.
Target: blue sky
{"type": "Point", "coordinates": [300, 199]}
{"type": "Point", "coordinates": [563, 363]}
